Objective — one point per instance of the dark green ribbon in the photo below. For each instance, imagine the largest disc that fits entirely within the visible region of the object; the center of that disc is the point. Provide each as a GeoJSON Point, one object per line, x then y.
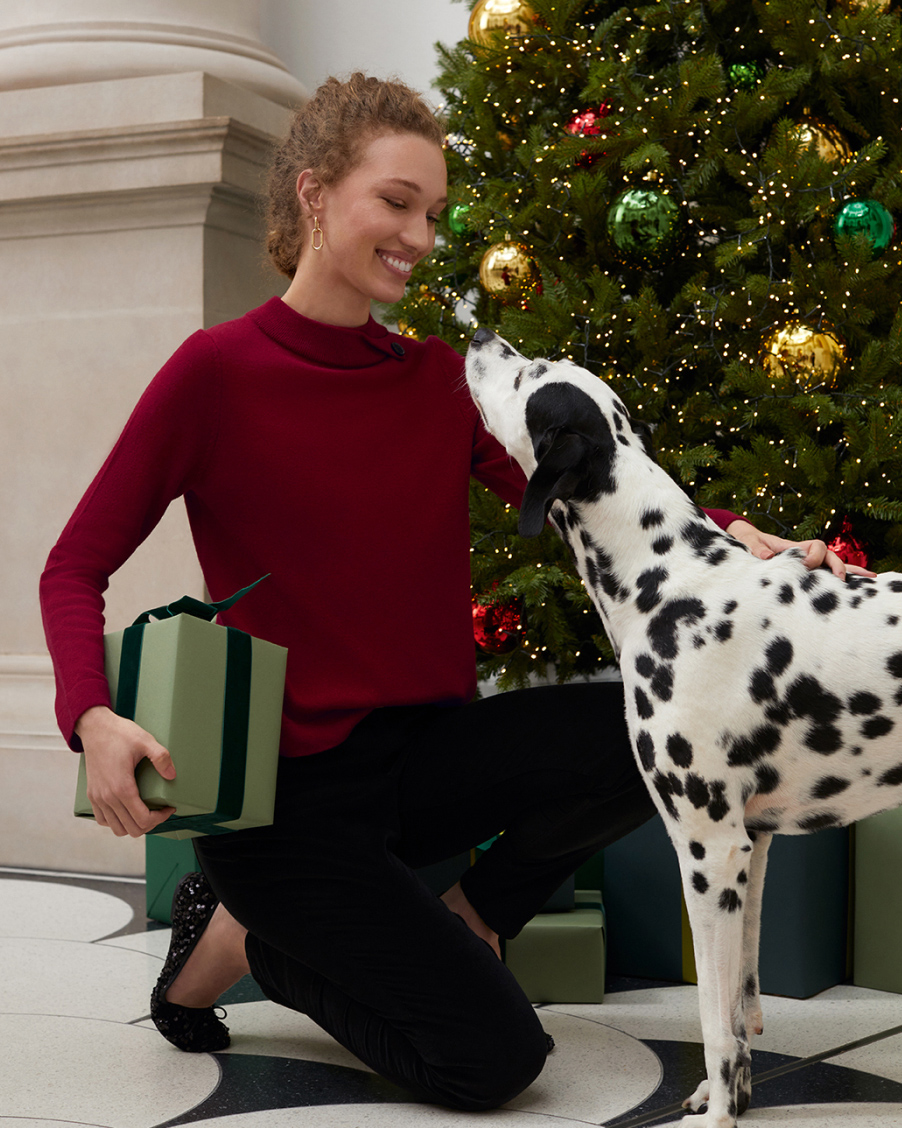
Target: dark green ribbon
{"type": "Point", "coordinates": [236, 707]}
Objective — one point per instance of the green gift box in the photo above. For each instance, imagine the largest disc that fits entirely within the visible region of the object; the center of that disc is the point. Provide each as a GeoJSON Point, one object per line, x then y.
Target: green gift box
{"type": "Point", "coordinates": [877, 960]}
{"type": "Point", "coordinates": [212, 695]}
{"type": "Point", "coordinates": [560, 957]}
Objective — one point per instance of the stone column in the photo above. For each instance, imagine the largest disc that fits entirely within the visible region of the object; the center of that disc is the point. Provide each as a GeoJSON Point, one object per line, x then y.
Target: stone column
{"type": "Point", "coordinates": [133, 142]}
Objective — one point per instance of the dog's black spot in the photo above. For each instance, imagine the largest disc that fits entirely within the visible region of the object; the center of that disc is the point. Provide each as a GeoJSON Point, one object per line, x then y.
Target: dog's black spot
{"type": "Point", "coordinates": [729, 901]}
{"type": "Point", "coordinates": [892, 778]}
{"type": "Point", "coordinates": [518, 379]}
{"type": "Point", "coordinates": [718, 808]}
{"type": "Point", "coordinates": [786, 594]}
{"type": "Point", "coordinates": [856, 602]}
{"type": "Point", "coordinates": [762, 686]}
{"type": "Point", "coordinates": [809, 581]}
{"type": "Point", "coordinates": [723, 632]}
{"type": "Point", "coordinates": [618, 423]}
{"type": "Point", "coordinates": [680, 750]}
{"type": "Point", "coordinates": [779, 655]}
{"type": "Point", "coordinates": [645, 665]}
{"type": "Point", "coordinates": [697, 791]}
{"type": "Point", "coordinates": [746, 750]}
{"type": "Point", "coordinates": [651, 518]}
{"type": "Point", "coordinates": [825, 603]}
{"type": "Point", "coordinates": [764, 583]}
{"type": "Point", "coordinates": [644, 707]}
{"type": "Point", "coordinates": [892, 620]}
{"type": "Point", "coordinates": [664, 787]}
{"type": "Point", "coordinates": [699, 882]}
{"type": "Point", "coordinates": [894, 585]}
{"type": "Point", "coordinates": [599, 574]}
{"type": "Point", "coordinates": [742, 878]}
{"type": "Point", "coordinates": [645, 749]}
{"type": "Point", "coordinates": [698, 641]}
{"type": "Point", "coordinates": [829, 785]}
{"type": "Point", "coordinates": [806, 697]}
{"type": "Point", "coordinates": [697, 850]}
{"type": "Point", "coordinates": [778, 713]}
{"type": "Point", "coordinates": [662, 546]}
{"type": "Point", "coordinates": [701, 538]}
{"type": "Point", "coordinates": [877, 726]}
{"type": "Point", "coordinates": [662, 683]}
{"type": "Point", "coordinates": [825, 739]}
{"type": "Point", "coordinates": [649, 584]}
{"type": "Point", "coordinates": [750, 987]}
{"type": "Point", "coordinates": [507, 352]}
{"type": "Point", "coordinates": [765, 826]}
{"type": "Point", "coordinates": [623, 440]}
{"type": "Point", "coordinates": [864, 702]}
{"type": "Point", "coordinates": [894, 665]}
{"type": "Point", "coordinates": [662, 630]}
{"type": "Point", "coordinates": [767, 778]}
{"type": "Point", "coordinates": [817, 822]}
{"type": "Point", "coordinates": [537, 371]}
{"type": "Point", "coordinates": [730, 607]}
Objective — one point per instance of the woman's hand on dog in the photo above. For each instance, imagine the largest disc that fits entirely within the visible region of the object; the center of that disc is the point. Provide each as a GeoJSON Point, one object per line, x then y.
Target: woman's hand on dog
{"type": "Point", "coordinates": [114, 746]}
{"type": "Point", "coordinates": [817, 555]}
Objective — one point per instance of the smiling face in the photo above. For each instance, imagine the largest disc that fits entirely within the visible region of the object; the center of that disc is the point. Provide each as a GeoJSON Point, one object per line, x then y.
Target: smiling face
{"type": "Point", "coordinates": [378, 222]}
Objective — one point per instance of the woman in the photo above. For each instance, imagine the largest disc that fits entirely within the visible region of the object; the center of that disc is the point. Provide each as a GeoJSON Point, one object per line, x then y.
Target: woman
{"type": "Point", "coordinates": [311, 444]}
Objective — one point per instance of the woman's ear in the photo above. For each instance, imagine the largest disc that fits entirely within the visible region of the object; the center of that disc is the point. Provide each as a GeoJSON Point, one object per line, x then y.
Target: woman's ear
{"type": "Point", "coordinates": [310, 192]}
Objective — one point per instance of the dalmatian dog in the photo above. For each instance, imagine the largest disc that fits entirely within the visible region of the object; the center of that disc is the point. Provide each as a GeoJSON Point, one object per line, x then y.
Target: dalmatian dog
{"type": "Point", "coordinates": [762, 698]}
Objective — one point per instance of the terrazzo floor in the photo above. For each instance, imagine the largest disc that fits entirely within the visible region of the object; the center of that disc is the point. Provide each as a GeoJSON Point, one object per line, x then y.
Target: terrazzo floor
{"type": "Point", "coordinates": [79, 959]}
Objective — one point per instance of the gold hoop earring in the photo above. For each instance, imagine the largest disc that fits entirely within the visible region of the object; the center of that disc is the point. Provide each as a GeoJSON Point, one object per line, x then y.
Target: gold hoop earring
{"type": "Point", "coordinates": [317, 230]}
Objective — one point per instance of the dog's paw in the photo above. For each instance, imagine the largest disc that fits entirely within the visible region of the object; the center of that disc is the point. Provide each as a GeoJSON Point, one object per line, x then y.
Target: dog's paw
{"type": "Point", "coordinates": [698, 1098]}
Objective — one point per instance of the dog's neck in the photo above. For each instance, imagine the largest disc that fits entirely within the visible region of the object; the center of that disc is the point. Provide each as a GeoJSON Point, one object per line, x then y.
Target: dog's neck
{"type": "Point", "coordinates": [642, 545]}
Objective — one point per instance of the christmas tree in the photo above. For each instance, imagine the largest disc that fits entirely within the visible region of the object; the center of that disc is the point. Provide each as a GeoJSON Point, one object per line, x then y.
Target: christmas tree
{"type": "Point", "coordinates": [695, 200]}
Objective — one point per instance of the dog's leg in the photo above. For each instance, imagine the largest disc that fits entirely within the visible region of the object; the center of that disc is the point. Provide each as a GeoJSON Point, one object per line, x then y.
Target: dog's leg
{"type": "Point", "coordinates": [715, 897]}
{"type": "Point", "coordinates": [754, 1021]}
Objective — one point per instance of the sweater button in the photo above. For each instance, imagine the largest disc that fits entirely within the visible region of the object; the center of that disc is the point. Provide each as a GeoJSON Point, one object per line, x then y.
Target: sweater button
{"type": "Point", "coordinates": [397, 348]}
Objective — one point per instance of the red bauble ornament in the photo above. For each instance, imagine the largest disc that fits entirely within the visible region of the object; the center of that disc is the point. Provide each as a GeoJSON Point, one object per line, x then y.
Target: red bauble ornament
{"type": "Point", "coordinates": [849, 549]}
{"type": "Point", "coordinates": [587, 123]}
{"type": "Point", "coordinates": [498, 627]}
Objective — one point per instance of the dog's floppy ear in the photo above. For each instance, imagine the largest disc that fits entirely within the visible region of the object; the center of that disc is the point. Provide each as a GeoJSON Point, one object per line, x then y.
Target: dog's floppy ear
{"type": "Point", "coordinates": [574, 448]}
{"type": "Point", "coordinates": [560, 470]}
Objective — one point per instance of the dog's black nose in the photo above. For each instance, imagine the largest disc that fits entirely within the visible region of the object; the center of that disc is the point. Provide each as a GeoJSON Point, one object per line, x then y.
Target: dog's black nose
{"type": "Point", "coordinates": [482, 336]}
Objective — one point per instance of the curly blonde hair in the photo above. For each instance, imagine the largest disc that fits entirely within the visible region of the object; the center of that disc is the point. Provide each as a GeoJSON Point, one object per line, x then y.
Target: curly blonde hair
{"type": "Point", "coordinates": [328, 135]}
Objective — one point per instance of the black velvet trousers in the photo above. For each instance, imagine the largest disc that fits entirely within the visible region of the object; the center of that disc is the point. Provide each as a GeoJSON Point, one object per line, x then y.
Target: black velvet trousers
{"type": "Point", "coordinates": [341, 929]}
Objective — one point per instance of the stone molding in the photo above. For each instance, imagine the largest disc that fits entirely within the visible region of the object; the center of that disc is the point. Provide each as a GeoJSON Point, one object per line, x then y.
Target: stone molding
{"type": "Point", "coordinates": [60, 42]}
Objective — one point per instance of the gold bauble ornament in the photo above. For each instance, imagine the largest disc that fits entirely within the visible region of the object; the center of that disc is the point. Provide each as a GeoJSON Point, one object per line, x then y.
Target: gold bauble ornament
{"type": "Point", "coordinates": [489, 17]}
{"type": "Point", "coordinates": [808, 355]}
{"type": "Point", "coordinates": [826, 139]}
{"type": "Point", "coordinates": [507, 271]}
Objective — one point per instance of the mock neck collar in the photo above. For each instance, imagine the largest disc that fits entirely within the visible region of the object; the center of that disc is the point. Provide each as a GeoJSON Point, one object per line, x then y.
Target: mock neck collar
{"type": "Point", "coordinates": [328, 346]}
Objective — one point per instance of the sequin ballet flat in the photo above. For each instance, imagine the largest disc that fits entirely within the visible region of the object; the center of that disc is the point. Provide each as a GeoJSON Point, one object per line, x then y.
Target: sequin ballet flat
{"type": "Point", "coordinates": [197, 1030]}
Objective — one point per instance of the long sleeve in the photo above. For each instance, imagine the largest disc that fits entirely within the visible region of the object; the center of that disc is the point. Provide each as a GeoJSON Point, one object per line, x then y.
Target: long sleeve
{"type": "Point", "coordinates": [158, 456]}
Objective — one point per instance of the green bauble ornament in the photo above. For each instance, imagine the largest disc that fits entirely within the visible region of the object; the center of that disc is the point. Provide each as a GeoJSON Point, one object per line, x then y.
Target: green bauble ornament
{"type": "Point", "coordinates": [865, 217]}
{"type": "Point", "coordinates": [457, 218]}
{"type": "Point", "coordinates": [644, 226]}
{"type": "Point", "coordinates": [745, 76]}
